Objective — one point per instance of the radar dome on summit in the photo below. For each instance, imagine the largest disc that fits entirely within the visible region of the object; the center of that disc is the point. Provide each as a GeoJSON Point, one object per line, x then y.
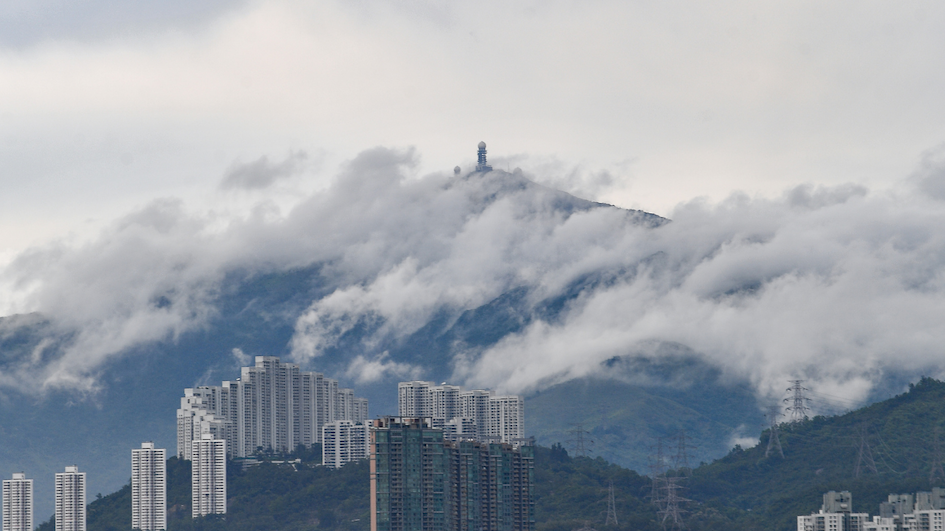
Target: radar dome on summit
{"type": "Point", "coordinates": [482, 165]}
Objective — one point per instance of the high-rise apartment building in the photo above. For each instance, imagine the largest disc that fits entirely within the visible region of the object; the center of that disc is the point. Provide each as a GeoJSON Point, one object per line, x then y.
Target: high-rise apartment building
{"type": "Point", "coordinates": [148, 487]}
{"type": "Point", "coordinates": [272, 406]}
{"type": "Point", "coordinates": [506, 418]}
{"type": "Point", "coordinates": [492, 418]}
{"type": "Point", "coordinates": [408, 476]}
{"type": "Point", "coordinates": [491, 486]}
{"type": "Point", "coordinates": [344, 441]}
{"type": "Point", "coordinates": [70, 500]}
{"type": "Point", "coordinates": [414, 399]}
{"type": "Point", "coordinates": [421, 482]}
{"type": "Point", "coordinates": [474, 405]}
{"type": "Point", "coordinates": [18, 503]}
{"type": "Point", "coordinates": [208, 476]}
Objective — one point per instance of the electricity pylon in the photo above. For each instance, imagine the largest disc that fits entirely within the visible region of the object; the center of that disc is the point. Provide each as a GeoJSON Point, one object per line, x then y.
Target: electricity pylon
{"type": "Point", "coordinates": [671, 513]}
{"type": "Point", "coordinates": [774, 442]}
{"type": "Point", "coordinates": [798, 400]}
{"type": "Point", "coordinates": [580, 446]}
{"type": "Point", "coordinates": [864, 456]}
{"type": "Point", "coordinates": [681, 459]}
{"type": "Point", "coordinates": [611, 507]}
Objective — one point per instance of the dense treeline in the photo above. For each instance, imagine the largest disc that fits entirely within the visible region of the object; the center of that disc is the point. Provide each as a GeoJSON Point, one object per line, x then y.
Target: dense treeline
{"type": "Point", "coordinates": [744, 491]}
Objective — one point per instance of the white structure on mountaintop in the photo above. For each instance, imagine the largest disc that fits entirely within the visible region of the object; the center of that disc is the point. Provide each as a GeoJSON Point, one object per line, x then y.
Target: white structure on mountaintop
{"type": "Point", "coordinates": [18, 503]}
{"type": "Point", "coordinates": [272, 406]}
{"type": "Point", "coordinates": [344, 441]}
{"type": "Point", "coordinates": [475, 414]}
{"type": "Point", "coordinates": [70, 500]}
{"type": "Point", "coordinates": [208, 476]}
{"type": "Point", "coordinates": [148, 488]}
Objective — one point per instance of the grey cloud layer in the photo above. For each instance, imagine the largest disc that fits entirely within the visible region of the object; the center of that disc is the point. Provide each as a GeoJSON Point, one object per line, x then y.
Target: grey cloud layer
{"type": "Point", "coordinates": [835, 285]}
{"type": "Point", "coordinates": [261, 173]}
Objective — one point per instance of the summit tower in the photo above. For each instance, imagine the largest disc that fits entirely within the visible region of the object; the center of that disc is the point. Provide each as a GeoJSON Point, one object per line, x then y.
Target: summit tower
{"type": "Point", "coordinates": [482, 165]}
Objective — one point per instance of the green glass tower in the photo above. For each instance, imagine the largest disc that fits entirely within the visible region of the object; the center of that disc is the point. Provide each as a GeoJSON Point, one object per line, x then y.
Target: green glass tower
{"type": "Point", "coordinates": [408, 476]}
{"type": "Point", "coordinates": [420, 482]}
{"type": "Point", "coordinates": [491, 487]}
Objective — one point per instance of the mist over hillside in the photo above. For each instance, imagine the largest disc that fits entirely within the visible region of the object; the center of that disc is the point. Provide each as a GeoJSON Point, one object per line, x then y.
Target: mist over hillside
{"type": "Point", "coordinates": [482, 279]}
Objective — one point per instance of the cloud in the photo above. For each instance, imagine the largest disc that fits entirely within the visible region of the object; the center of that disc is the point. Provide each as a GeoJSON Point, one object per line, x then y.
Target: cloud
{"type": "Point", "coordinates": [261, 173]}
{"type": "Point", "coordinates": [28, 22]}
{"type": "Point", "coordinates": [838, 285]}
{"type": "Point", "coordinates": [930, 177]}
{"type": "Point", "coordinates": [363, 370]}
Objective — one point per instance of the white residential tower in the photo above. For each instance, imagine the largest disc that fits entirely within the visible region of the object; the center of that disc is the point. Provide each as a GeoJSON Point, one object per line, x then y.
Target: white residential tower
{"type": "Point", "coordinates": [148, 488]}
{"type": "Point", "coordinates": [18, 503]}
{"type": "Point", "coordinates": [208, 476]}
{"type": "Point", "coordinates": [70, 500]}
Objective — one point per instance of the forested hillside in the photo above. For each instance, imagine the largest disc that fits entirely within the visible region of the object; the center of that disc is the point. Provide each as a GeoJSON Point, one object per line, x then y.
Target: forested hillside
{"type": "Point", "coordinates": [894, 441]}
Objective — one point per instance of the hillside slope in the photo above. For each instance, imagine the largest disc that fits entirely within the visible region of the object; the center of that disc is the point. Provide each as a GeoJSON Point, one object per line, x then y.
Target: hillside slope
{"type": "Point", "coordinates": [743, 491]}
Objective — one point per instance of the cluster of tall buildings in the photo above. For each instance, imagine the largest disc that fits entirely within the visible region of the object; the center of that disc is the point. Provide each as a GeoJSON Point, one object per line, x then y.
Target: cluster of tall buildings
{"type": "Point", "coordinates": [421, 481]}
{"type": "Point", "coordinates": [460, 415]}
{"type": "Point", "coordinates": [148, 490]}
{"type": "Point", "coordinates": [272, 406]}
{"type": "Point", "coordinates": [70, 501]}
{"type": "Point", "coordinates": [924, 511]}
{"type": "Point", "coordinates": [477, 414]}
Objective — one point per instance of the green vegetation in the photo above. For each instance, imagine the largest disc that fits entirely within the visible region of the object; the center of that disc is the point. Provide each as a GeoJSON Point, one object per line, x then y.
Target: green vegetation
{"type": "Point", "coordinates": [743, 491]}
{"type": "Point", "coordinates": [285, 496]}
{"type": "Point", "coordinates": [820, 454]}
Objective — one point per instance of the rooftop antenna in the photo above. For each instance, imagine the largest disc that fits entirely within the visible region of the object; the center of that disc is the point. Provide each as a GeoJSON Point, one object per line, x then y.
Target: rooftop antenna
{"type": "Point", "coordinates": [482, 165]}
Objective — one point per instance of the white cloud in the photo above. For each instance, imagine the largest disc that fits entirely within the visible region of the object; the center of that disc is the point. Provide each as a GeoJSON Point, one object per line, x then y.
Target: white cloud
{"type": "Point", "coordinates": [363, 370]}
{"type": "Point", "coordinates": [836, 285]}
{"type": "Point", "coordinates": [703, 99]}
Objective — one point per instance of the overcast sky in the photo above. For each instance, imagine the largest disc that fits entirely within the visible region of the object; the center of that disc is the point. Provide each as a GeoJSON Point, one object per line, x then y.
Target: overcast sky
{"type": "Point", "coordinates": [105, 105]}
{"type": "Point", "coordinates": [799, 147]}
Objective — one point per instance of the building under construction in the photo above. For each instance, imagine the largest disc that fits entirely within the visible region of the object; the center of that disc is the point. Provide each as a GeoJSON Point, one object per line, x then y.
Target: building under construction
{"type": "Point", "coordinates": [421, 482]}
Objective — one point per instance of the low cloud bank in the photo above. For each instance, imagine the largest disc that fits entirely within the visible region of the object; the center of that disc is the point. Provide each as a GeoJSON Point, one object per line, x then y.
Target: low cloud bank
{"type": "Point", "coordinates": [833, 285]}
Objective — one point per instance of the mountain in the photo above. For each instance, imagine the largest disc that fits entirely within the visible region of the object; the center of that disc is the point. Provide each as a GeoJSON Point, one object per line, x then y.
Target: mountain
{"type": "Point", "coordinates": [484, 280]}
{"type": "Point", "coordinates": [130, 394]}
